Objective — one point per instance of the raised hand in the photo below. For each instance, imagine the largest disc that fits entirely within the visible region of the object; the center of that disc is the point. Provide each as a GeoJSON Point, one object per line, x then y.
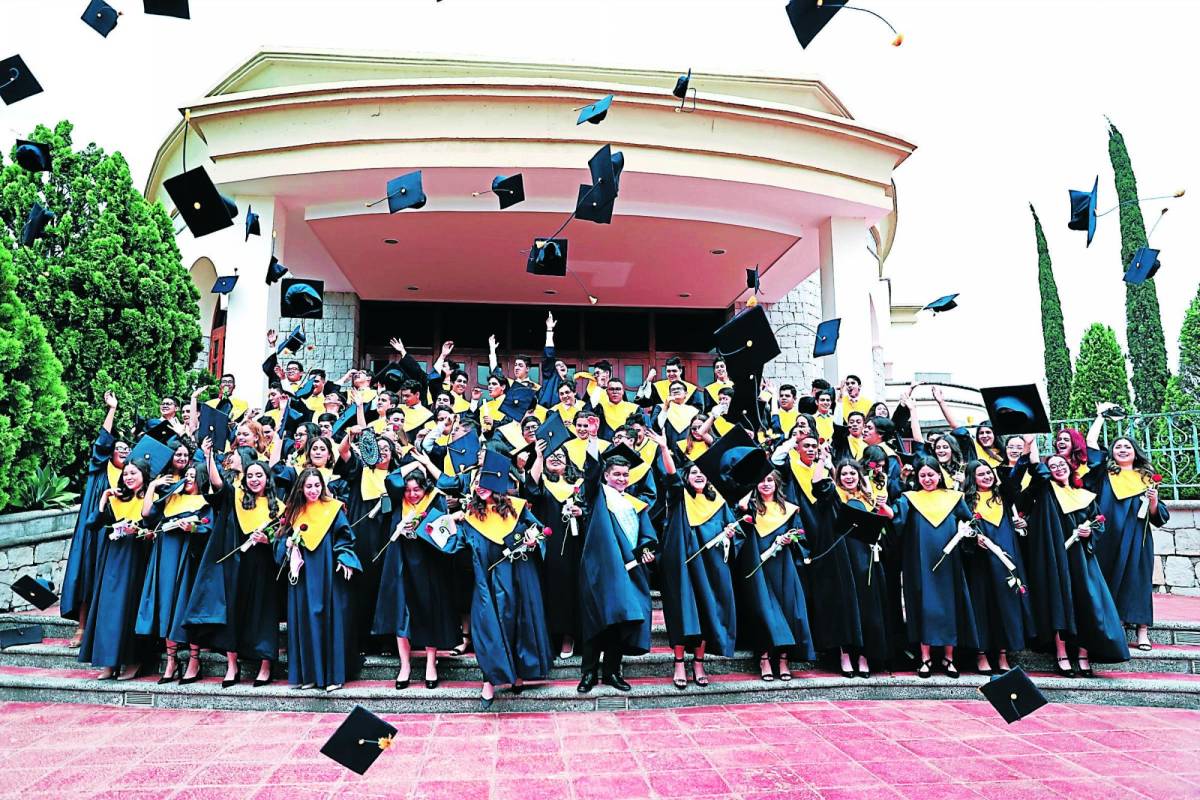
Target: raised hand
{"type": "Point", "coordinates": [110, 399]}
{"type": "Point", "coordinates": [397, 345]}
{"type": "Point", "coordinates": [550, 321]}
{"type": "Point", "coordinates": [272, 336]}
{"type": "Point", "coordinates": [493, 344]}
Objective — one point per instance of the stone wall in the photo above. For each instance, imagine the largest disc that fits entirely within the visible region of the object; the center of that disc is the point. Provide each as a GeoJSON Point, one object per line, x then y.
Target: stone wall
{"type": "Point", "coordinates": [33, 543]}
{"type": "Point", "coordinates": [801, 305]}
{"type": "Point", "coordinates": [333, 339]}
{"type": "Point", "coordinates": [1177, 550]}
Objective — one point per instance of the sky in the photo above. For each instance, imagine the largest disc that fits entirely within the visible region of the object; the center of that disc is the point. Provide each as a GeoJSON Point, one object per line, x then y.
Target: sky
{"type": "Point", "coordinates": [1005, 99]}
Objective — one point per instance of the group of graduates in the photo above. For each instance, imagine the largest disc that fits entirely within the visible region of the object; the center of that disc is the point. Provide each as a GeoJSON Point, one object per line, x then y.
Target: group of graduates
{"type": "Point", "coordinates": [523, 521]}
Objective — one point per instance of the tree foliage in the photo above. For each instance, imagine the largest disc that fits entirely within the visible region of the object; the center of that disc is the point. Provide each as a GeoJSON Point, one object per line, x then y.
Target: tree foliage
{"type": "Point", "coordinates": [1099, 372]}
{"type": "Point", "coordinates": [1056, 356]}
{"type": "Point", "coordinates": [121, 310]}
{"type": "Point", "coordinates": [1143, 323]}
{"type": "Point", "coordinates": [31, 390]}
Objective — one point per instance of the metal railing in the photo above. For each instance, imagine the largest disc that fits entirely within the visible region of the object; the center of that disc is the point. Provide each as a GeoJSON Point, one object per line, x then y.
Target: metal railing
{"type": "Point", "coordinates": [1171, 440]}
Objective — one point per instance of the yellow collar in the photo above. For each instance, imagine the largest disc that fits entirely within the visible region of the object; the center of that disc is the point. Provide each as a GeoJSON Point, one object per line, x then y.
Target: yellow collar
{"type": "Point", "coordinates": [1127, 483]}
{"type": "Point", "coordinates": [824, 427]}
{"type": "Point", "coordinates": [985, 456]}
{"type": "Point", "coordinates": [772, 519]}
{"type": "Point", "coordinates": [251, 519]}
{"type": "Point", "coordinates": [699, 508]}
{"type": "Point", "coordinates": [408, 510]}
{"type": "Point", "coordinates": [693, 450]}
{"type": "Point", "coordinates": [615, 414]}
{"type": "Point", "coordinates": [993, 512]}
{"type": "Point", "coordinates": [577, 450]}
{"type": "Point", "coordinates": [934, 506]}
{"type": "Point", "coordinates": [511, 431]}
{"type": "Point", "coordinates": [114, 475]}
{"type": "Point", "coordinates": [127, 510]}
{"type": "Point", "coordinates": [680, 416]}
{"type": "Point", "coordinates": [647, 453]}
{"type": "Point", "coordinates": [314, 521]}
{"type": "Point", "coordinates": [714, 389]}
{"type": "Point", "coordinates": [857, 446]}
{"type": "Point", "coordinates": [494, 527]}
{"type": "Point", "coordinates": [1071, 499]}
{"type": "Point", "coordinates": [722, 426]}
{"type": "Point", "coordinates": [415, 416]}
{"type": "Point", "coordinates": [567, 413]}
{"type": "Point", "coordinates": [461, 403]}
{"type": "Point", "coordinates": [663, 389]}
{"type": "Point", "coordinates": [803, 474]}
{"type": "Point", "coordinates": [370, 485]}
{"type": "Point", "coordinates": [180, 503]}
{"type": "Point", "coordinates": [787, 420]}
{"type": "Point", "coordinates": [561, 490]}
{"type": "Point", "coordinates": [846, 497]}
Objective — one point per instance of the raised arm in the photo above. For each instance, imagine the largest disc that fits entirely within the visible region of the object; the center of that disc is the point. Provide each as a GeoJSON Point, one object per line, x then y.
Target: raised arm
{"type": "Point", "coordinates": [1093, 434]}
{"type": "Point", "coordinates": [439, 366]}
{"type": "Point", "coordinates": [492, 345]}
{"type": "Point", "coordinates": [110, 400]}
{"type": "Point", "coordinates": [535, 470]}
{"type": "Point", "coordinates": [941, 401]}
{"type": "Point", "coordinates": [664, 449]}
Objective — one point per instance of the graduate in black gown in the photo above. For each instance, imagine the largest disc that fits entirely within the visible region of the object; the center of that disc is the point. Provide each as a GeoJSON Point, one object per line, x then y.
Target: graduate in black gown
{"type": "Point", "coordinates": [105, 463]}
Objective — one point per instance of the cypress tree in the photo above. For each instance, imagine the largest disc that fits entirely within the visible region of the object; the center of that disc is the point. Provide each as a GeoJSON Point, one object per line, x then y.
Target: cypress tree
{"type": "Point", "coordinates": [1143, 323]}
{"type": "Point", "coordinates": [1099, 372]}
{"type": "Point", "coordinates": [1056, 356]}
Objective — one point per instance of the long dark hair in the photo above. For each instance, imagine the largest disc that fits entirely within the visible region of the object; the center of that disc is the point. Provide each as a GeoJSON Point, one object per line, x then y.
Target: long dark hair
{"type": "Point", "coordinates": [956, 453]}
{"type": "Point", "coordinates": [269, 491]}
{"type": "Point", "coordinates": [308, 450]}
{"type": "Point", "coordinates": [809, 419]}
{"type": "Point", "coordinates": [879, 474]}
{"type": "Point", "coordinates": [860, 489]}
{"type": "Point", "coordinates": [995, 451]}
{"type": "Point", "coordinates": [501, 503]}
{"type": "Point", "coordinates": [422, 479]}
{"type": "Point", "coordinates": [123, 492]}
{"type": "Point", "coordinates": [710, 491]}
{"type": "Point", "coordinates": [296, 500]}
{"type": "Point", "coordinates": [971, 489]}
{"type": "Point", "coordinates": [1141, 461]}
{"type": "Point", "coordinates": [756, 501]}
{"type": "Point", "coordinates": [932, 463]}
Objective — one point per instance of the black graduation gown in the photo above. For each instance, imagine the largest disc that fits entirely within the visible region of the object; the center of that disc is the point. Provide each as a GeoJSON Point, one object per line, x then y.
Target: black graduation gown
{"type": "Point", "coordinates": [171, 570]}
{"type": "Point", "coordinates": [560, 564]}
{"type": "Point", "coordinates": [1126, 550]}
{"type": "Point", "coordinates": [771, 605]}
{"type": "Point", "coordinates": [1003, 615]}
{"type": "Point", "coordinates": [86, 543]}
{"type": "Point", "coordinates": [369, 520]}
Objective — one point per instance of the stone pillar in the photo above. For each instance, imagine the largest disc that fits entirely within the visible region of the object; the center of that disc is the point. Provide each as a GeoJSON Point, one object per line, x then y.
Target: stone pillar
{"type": "Point", "coordinates": [252, 302]}
{"type": "Point", "coordinates": [333, 339]}
{"type": "Point", "coordinates": [800, 311]}
{"type": "Point", "coordinates": [848, 275]}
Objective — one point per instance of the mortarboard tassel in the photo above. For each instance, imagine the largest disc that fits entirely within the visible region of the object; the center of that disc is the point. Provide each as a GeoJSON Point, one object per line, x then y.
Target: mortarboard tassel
{"type": "Point", "coordinates": [382, 743]}
{"type": "Point", "coordinates": [896, 42]}
{"type": "Point", "coordinates": [1175, 195]}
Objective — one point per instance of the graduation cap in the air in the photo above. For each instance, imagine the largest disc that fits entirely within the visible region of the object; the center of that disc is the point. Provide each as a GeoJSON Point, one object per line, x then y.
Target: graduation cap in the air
{"type": "Point", "coordinates": [553, 432]}
{"type": "Point", "coordinates": [21, 634]}
{"type": "Point", "coordinates": [509, 189]}
{"type": "Point", "coordinates": [168, 8]}
{"type": "Point", "coordinates": [517, 400]}
{"type": "Point", "coordinates": [275, 271]}
{"type": "Point", "coordinates": [294, 342]}
{"type": "Point", "coordinates": [302, 298]}
{"type": "Point", "coordinates": [391, 376]}
{"type": "Point", "coordinates": [359, 740]}
{"type": "Point", "coordinates": [36, 591]}
{"type": "Point", "coordinates": [734, 465]}
{"type": "Point", "coordinates": [224, 284]}
{"type": "Point", "coordinates": [1083, 210]}
{"type": "Point", "coordinates": [16, 81]}
{"type": "Point", "coordinates": [33, 156]}
{"type": "Point", "coordinates": [605, 167]}
{"type": "Point", "coordinates": [944, 303]}
{"type": "Point", "coordinates": [253, 228]}
{"type": "Point", "coordinates": [35, 224]}
{"type": "Point", "coordinates": [747, 340]}
{"type": "Point", "coordinates": [622, 451]}
{"type": "Point", "coordinates": [596, 112]}
{"type": "Point", "coordinates": [153, 453]}
{"type": "Point", "coordinates": [682, 86]}
{"type": "Point", "coordinates": [1015, 409]}
{"type": "Point", "coordinates": [753, 282]}
{"type": "Point", "coordinates": [204, 209]}
{"type": "Point", "coordinates": [1013, 695]}
{"type": "Point", "coordinates": [464, 451]}
{"type": "Point", "coordinates": [826, 340]}
{"type": "Point", "coordinates": [213, 424]}
{"type": "Point", "coordinates": [158, 429]}
{"type": "Point", "coordinates": [548, 257]}
{"type": "Point", "coordinates": [100, 17]}
{"type": "Point", "coordinates": [348, 418]}
{"type": "Point", "coordinates": [403, 192]}
{"type": "Point", "coordinates": [1142, 267]}
{"type": "Point", "coordinates": [809, 17]}
{"type": "Point", "coordinates": [494, 474]}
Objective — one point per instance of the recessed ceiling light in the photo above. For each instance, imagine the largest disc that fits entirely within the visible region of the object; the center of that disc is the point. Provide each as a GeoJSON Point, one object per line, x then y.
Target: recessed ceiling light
{"type": "Point", "coordinates": [412, 288]}
{"type": "Point", "coordinates": [550, 291]}
{"type": "Point", "coordinates": [391, 241]}
{"type": "Point", "coordinates": [717, 251]}
{"type": "Point", "coordinates": [685, 294]}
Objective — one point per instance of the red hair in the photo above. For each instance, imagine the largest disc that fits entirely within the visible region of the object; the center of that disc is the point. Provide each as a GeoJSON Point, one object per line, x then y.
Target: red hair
{"type": "Point", "coordinates": [1079, 451]}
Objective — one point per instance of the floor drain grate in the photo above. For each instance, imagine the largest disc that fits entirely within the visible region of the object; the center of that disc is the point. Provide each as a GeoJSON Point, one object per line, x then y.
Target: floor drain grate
{"type": "Point", "coordinates": [139, 699]}
{"type": "Point", "coordinates": [612, 704]}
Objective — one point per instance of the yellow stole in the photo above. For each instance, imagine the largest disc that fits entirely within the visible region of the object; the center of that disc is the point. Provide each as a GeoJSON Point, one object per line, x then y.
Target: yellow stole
{"type": "Point", "coordinates": [861, 405]}
{"type": "Point", "coordinates": [494, 527]}
{"type": "Point", "coordinates": [992, 512]}
{"type": "Point", "coordinates": [114, 475]}
{"type": "Point", "coordinates": [318, 517]}
{"type": "Point", "coordinates": [1083, 469]}
{"type": "Point", "coordinates": [772, 519]}
{"type": "Point", "coordinates": [1127, 483]}
{"type": "Point", "coordinates": [615, 414]}
{"type": "Point", "coordinates": [493, 408]}
{"type": "Point", "coordinates": [680, 416]}
{"type": "Point", "coordinates": [857, 446]}
{"type": "Point", "coordinates": [315, 404]}
{"type": "Point", "coordinates": [415, 416]}
{"type": "Point", "coordinates": [461, 403]}
{"type": "Point", "coordinates": [127, 510]}
{"type": "Point", "coordinates": [722, 426]}
{"type": "Point", "coordinates": [561, 490]}
{"type": "Point", "coordinates": [275, 414]}
{"type": "Point", "coordinates": [934, 506]}
{"type": "Point", "coordinates": [946, 476]}
{"type": "Point", "coordinates": [251, 519]}
{"type": "Point", "coordinates": [576, 450]}
{"type": "Point", "coordinates": [663, 390]}
{"type": "Point", "coordinates": [567, 412]}
{"type": "Point", "coordinates": [1071, 499]}
{"type": "Point", "coordinates": [868, 501]}
{"type": "Point", "coordinates": [648, 452]}
{"type": "Point", "coordinates": [418, 510]}
{"type": "Point", "coordinates": [699, 508]}
{"type": "Point", "coordinates": [787, 419]}
{"type": "Point", "coordinates": [985, 456]}
{"type": "Point", "coordinates": [370, 485]}
{"type": "Point", "coordinates": [377, 425]}
{"type": "Point", "coordinates": [511, 431]}
{"type": "Point", "coordinates": [180, 503]}
{"type": "Point", "coordinates": [366, 396]}
{"type": "Point", "coordinates": [824, 427]}
{"type": "Point", "coordinates": [803, 474]}
{"type": "Point", "coordinates": [693, 450]}
{"type": "Point", "coordinates": [715, 388]}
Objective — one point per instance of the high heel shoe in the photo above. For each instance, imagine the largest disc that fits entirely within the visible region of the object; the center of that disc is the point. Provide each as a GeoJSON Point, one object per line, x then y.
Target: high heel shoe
{"type": "Point", "coordinates": [1086, 672]}
{"type": "Point", "coordinates": [764, 668]}
{"type": "Point", "coordinates": [194, 678]}
{"type": "Point", "coordinates": [263, 681]}
{"type": "Point", "coordinates": [463, 647]}
{"type": "Point", "coordinates": [1067, 671]}
{"type": "Point", "coordinates": [701, 680]}
{"type": "Point", "coordinates": [517, 688]}
{"type": "Point", "coordinates": [234, 681]}
{"type": "Point", "coordinates": [926, 669]}
{"type": "Point", "coordinates": [401, 685]}
{"type": "Point", "coordinates": [174, 676]}
{"type": "Point", "coordinates": [486, 702]}
{"type": "Point", "coordinates": [137, 673]}
{"type": "Point", "coordinates": [949, 668]}
{"type": "Point", "coordinates": [680, 683]}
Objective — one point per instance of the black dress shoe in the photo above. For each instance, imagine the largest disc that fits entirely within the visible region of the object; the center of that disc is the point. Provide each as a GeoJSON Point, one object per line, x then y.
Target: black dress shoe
{"type": "Point", "coordinates": [234, 681]}
{"type": "Point", "coordinates": [431, 684]}
{"type": "Point", "coordinates": [586, 683]}
{"type": "Point", "coordinates": [402, 684]}
{"type": "Point", "coordinates": [616, 682]}
{"type": "Point", "coordinates": [263, 681]}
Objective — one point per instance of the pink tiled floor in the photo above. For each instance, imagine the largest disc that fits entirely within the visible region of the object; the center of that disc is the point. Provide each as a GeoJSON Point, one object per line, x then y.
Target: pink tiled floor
{"type": "Point", "coordinates": [899, 749]}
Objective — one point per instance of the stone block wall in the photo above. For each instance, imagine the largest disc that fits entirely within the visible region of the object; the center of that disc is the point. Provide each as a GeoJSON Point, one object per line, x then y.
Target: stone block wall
{"type": "Point", "coordinates": [1177, 550]}
{"type": "Point", "coordinates": [801, 305]}
{"type": "Point", "coordinates": [334, 339]}
{"type": "Point", "coordinates": [33, 543]}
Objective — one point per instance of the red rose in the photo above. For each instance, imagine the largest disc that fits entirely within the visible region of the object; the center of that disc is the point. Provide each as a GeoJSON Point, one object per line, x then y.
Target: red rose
{"type": "Point", "coordinates": [820, 440]}
{"type": "Point", "coordinates": [1022, 590]}
{"type": "Point", "coordinates": [546, 531]}
{"type": "Point", "coordinates": [1099, 518]}
{"type": "Point", "coordinates": [303, 527]}
{"type": "Point", "coordinates": [978, 515]}
{"type": "Point", "coordinates": [1156, 478]}
{"type": "Point", "coordinates": [871, 465]}
{"type": "Point", "coordinates": [204, 521]}
{"type": "Point", "coordinates": [747, 519]}
{"type": "Point", "coordinates": [429, 528]}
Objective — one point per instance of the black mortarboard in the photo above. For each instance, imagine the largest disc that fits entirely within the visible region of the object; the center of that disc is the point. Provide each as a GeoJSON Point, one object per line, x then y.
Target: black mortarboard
{"type": "Point", "coordinates": [747, 340]}
{"type": "Point", "coordinates": [153, 453]}
{"type": "Point", "coordinates": [622, 451]}
{"type": "Point", "coordinates": [100, 17]}
{"type": "Point", "coordinates": [548, 257]}
{"type": "Point", "coordinates": [464, 451]}
{"type": "Point", "coordinates": [294, 342]}
{"type": "Point", "coordinates": [160, 430]}
{"type": "Point", "coordinates": [359, 740]}
{"type": "Point", "coordinates": [808, 17]}
{"type": "Point", "coordinates": [862, 525]}
{"type": "Point", "coordinates": [253, 228]}
{"type": "Point", "coordinates": [493, 475]}
{"type": "Point", "coordinates": [1015, 409]}
{"type": "Point", "coordinates": [603, 169]}
{"type": "Point", "coordinates": [296, 414]}
{"type": "Point", "coordinates": [302, 298]}
{"type": "Point", "coordinates": [348, 418]}
{"type": "Point", "coordinates": [224, 284]}
{"type": "Point", "coordinates": [517, 400]}
{"type": "Point", "coordinates": [35, 224]}
{"type": "Point", "coordinates": [21, 634]}
{"type": "Point", "coordinates": [681, 85]}
{"type": "Point", "coordinates": [826, 341]}
{"type": "Point", "coordinates": [213, 424]}
{"type": "Point", "coordinates": [405, 192]}
{"type": "Point", "coordinates": [1142, 267]}
{"type": "Point", "coordinates": [168, 8]}
{"type": "Point", "coordinates": [33, 156]}
{"type": "Point", "coordinates": [510, 189]}
{"type": "Point", "coordinates": [16, 81]}
{"type": "Point", "coordinates": [944, 303]}
{"type": "Point", "coordinates": [203, 208]}
{"type": "Point", "coordinates": [591, 206]}
{"type": "Point", "coordinates": [35, 591]}
{"type": "Point", "coordinates": [275, 270]}
{"type": "Point", "coordinates": [1114, 412]}
{"type": "Point", "coordinates": [553, 432]}
{"type": "Point", "coordinates": [391, 376]}
{"type": "Point", "coordinates": [1083, 210]}
{"type": "Point", "coordinates": [1013, 695]}
{"type": "Point", "coordinates": [734, 465]}
{"type": "Point", "coordinates": [596, 112]}
{"type": "Point", "coordinates": [305, 390]}
{"type": "Point", "coordinates": [753, 280]}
